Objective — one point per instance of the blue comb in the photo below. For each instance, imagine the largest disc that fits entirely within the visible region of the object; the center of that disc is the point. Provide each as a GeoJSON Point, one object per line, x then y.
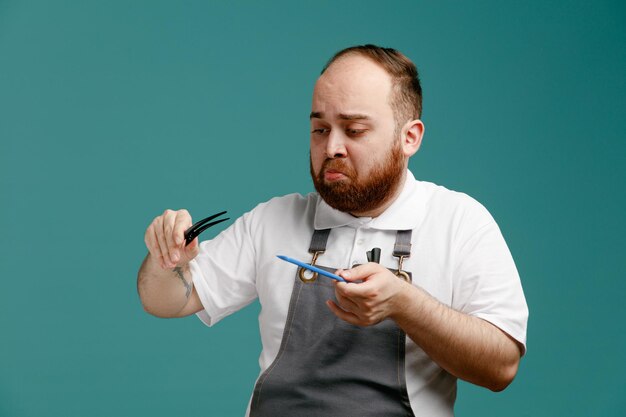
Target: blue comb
{"type": "Point", "coordinates": [312, 268]}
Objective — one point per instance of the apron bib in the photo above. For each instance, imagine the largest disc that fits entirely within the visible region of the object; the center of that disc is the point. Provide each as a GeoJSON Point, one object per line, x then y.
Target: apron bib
{"type": "Point", "coordinates": [328, 367]}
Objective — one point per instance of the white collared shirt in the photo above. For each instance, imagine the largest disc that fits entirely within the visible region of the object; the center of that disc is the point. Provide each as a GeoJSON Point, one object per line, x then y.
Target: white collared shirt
{"type": "Point", "coordinates": [458, 256]}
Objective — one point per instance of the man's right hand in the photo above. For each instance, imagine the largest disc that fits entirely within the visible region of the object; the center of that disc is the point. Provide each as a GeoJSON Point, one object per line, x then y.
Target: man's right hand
{"type": "Point", "coordinates": [166, 242]}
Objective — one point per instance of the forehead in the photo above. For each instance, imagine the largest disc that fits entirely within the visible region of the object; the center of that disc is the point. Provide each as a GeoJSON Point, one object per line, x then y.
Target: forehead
{"type": "Point", "coordinates": [353, 84]}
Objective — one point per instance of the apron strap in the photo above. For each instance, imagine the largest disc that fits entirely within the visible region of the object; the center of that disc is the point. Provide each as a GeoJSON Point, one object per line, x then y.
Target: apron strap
{"type": "Point", "coordinates": [318, 245]}
{"type": "Point", "coordinates": [401, 250]}
{"type": "Point", "coordinates": [403, 243]}
{"type": "Point", "coordinates": [318, 241]}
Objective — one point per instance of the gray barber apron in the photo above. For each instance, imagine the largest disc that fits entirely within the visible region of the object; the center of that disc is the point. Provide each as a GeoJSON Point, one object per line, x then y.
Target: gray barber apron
{"type": "Point", "coordinates": [328, 367]}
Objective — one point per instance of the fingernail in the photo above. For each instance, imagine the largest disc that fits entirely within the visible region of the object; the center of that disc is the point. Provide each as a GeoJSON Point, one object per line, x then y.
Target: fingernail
{"type": "Point", "coordinates": [175, 257]}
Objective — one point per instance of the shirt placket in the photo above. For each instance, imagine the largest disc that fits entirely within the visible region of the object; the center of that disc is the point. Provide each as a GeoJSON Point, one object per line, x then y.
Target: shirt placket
{"type": "Point", "coordinates": [358, 252]}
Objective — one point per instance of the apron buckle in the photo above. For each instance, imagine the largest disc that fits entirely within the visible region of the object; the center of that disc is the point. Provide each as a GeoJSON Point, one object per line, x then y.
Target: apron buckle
{"type": "Point", "coordinates": [400, 273]}
{"type": "Point", "coordinates": [313, 276]}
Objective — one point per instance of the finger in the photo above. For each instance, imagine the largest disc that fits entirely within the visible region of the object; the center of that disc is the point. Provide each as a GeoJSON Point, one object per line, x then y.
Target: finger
{"type": "Point", "coordinates": [354, 291]}
{"type": "Point", "coordinates": [182, 223]}
{"type": "Point", "coordinates": [150, 239]}
{"type": "Point", "coordinates": [152, 244]}
{"type": "Point", "coordinates": [378, 281]}
{"type": "Point", "coordinates": [168, 230]}
{"type": "Point", "coordinates": [342, 314]}
{"type": "Point", "coordinates": [346, 303]}
{"type": "Point", "coordinates": [167, 262]}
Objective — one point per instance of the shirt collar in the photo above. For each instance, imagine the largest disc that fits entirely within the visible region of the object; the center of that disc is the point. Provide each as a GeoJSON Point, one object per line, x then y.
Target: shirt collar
{"type": "Point", "coordinates": [405, 213]}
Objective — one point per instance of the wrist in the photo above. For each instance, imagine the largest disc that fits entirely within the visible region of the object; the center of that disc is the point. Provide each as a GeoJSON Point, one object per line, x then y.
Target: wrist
{"type": "Point", "coordinates": [404, 301]}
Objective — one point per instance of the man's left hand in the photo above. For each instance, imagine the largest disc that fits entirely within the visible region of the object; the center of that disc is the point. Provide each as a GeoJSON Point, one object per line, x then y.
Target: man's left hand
{"type": "Point", "coordinates": [370, 301]}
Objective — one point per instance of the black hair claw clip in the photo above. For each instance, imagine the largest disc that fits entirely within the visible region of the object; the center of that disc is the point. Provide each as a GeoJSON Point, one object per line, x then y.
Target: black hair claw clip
{"type": "Point", "coordinates": [373, 255]}
{"type": "Point", "coordinates": [201, 226]}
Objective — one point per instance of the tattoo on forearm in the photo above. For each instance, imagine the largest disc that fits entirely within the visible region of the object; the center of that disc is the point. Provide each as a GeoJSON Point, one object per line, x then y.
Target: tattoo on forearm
{"type": "Point", "coordinates": [179, 273]}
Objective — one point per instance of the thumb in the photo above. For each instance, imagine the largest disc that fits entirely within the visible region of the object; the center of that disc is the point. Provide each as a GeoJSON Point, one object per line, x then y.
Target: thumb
{"type": "Point", "coordinates": [192, 250]}
{"type": "Point", "coordinates": [360, 272]}
{"type": "Point", "coordinates": [346, 274]}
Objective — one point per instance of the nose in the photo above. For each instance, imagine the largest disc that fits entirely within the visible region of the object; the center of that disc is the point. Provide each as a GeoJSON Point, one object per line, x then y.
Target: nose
{"type": "Point", "coordinates": [335, 146]}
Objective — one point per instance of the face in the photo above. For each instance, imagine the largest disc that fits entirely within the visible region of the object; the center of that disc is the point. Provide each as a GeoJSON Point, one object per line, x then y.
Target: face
{"type": "Point", "coordinates": [357, 160]}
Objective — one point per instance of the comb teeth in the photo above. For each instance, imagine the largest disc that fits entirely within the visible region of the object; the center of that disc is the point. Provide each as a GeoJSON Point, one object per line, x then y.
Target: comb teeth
{"type": "Point", "coordinates": [200, 226]}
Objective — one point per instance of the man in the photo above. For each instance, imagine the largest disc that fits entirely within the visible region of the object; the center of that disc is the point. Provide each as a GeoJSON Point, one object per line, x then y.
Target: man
{"type": "Point", "coordinates": [444, 301]}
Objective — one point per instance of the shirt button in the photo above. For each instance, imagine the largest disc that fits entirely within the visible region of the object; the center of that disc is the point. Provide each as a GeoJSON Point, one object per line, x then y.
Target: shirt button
{"type": "Point", "coordinates": [359, 242]}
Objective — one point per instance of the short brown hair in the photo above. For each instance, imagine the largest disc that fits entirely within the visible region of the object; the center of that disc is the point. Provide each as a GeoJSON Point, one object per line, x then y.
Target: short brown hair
{"type": "Point", "coordinates": [406, 99]}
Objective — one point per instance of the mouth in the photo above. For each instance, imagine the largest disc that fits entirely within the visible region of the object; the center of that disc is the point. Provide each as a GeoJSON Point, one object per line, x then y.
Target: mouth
{"type": "Point", "coordinates": [334, 175]}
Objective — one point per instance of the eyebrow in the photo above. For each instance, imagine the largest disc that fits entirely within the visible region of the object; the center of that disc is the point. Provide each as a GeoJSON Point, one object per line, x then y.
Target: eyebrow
{"type": "Point", "coordinates": [342, 116]}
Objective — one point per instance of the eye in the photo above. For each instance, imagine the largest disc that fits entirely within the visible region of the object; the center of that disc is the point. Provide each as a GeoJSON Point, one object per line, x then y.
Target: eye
{"type": "Point", "coordinates": [320, 131]}
{"type": "Point", "coordinates": [356, 132]}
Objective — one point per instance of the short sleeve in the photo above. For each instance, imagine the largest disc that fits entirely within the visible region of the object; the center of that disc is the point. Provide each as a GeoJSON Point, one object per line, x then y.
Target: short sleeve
{"type": "Point", "coordinates": [224, 272]}
{"type": "Point", "coordinates": [487, 284]}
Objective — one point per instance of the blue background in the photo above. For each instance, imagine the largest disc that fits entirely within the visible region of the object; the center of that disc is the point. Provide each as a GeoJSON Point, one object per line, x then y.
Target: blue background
{"type": "Point", "coordinates": [112, 111]}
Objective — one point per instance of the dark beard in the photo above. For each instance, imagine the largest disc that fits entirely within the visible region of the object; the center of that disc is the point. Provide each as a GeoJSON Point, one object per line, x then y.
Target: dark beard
{"type": "Point", "coordinates": [356, 194]}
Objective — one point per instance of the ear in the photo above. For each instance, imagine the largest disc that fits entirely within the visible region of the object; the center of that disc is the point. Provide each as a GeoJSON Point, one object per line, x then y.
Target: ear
{"type": "Point", "coordinates": [411, 138]}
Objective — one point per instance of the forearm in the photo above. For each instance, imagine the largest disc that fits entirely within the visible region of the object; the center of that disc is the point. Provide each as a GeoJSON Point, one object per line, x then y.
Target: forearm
{"type": "Point", "coordinates": [467, 347]}
{"type": "Point", "coordinates": [163, 292]}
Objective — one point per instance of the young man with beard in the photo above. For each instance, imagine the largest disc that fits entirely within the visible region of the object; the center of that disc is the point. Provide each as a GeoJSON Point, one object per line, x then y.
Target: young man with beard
{"type": "Point", "coordinates": [444, 301]}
